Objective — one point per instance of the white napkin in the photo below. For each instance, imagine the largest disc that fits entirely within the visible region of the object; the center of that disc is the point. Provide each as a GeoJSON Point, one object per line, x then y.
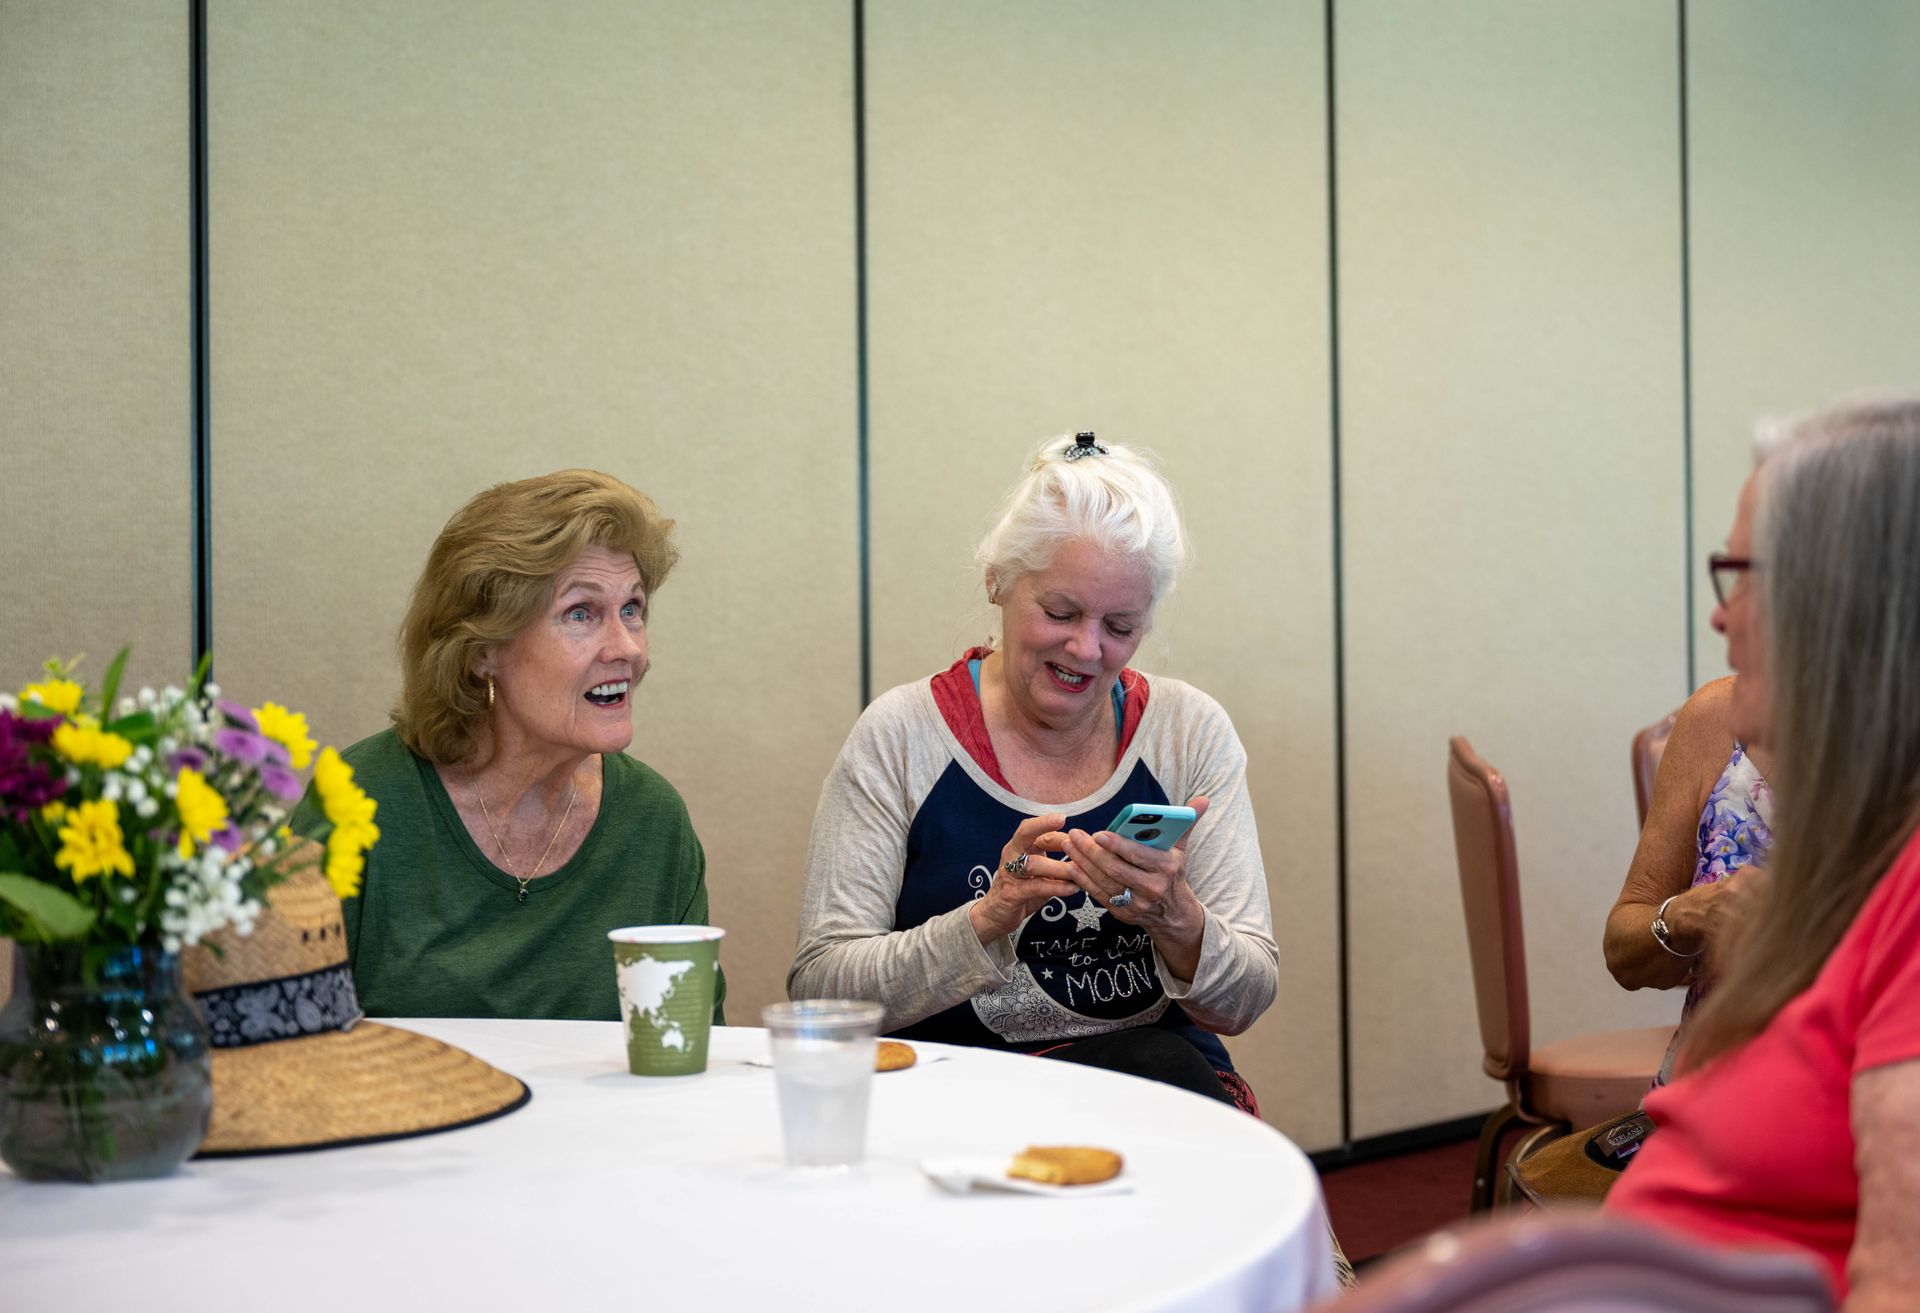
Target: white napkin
{"type": "Point", "coordinates": [960, 1175]}
{"type": "Point", "coordinates": [921, 1059]}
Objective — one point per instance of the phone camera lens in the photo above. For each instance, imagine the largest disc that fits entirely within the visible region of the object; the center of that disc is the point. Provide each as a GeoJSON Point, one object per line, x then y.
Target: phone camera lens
{"type": "Point", "coordinates": [1147, 836]}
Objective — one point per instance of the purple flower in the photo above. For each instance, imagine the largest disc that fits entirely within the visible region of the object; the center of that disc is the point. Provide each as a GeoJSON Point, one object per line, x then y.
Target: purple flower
{"type": "Point", "coordinates": [277, 752]}
{"type": "Point", "coordinates": [238, 715]}
{"type": "Point", "coordinates": [241, 745]}
{"type": "Point", "coordinates": [26, 729]}
{"type": "Point", "coordinates": [189, 759]}
{"type": "Point", "coordinates": [26, 785]}
{"type": "Point", "coordinates": [281, 782]}
{"type": "Point", "coordinates": [228, 838]}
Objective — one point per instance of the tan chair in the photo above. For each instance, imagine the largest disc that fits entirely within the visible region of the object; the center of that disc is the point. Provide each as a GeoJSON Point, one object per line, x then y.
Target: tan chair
{"type": "Point", "coordinates": [1584, 1263]}
{"type": "Point", "coordinates": [1576, 1082]}
{"type": "Point", "coordinates": [1649, 745]}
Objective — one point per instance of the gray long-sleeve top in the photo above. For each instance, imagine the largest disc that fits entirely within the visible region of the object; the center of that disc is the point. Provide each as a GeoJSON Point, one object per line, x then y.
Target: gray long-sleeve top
{"type": "Point", "coordinates": [870, 836]}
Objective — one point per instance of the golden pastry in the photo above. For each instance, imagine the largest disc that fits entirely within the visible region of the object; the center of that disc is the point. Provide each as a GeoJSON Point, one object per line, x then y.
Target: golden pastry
{"type": "Point", "coordinates": [892, 1055]}
{"type": "Point", "coordinates": [1065, 1165]}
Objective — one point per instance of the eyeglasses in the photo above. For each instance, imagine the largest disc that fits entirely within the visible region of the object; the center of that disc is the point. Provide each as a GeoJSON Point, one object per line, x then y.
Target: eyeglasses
{"type": "Point", "coordinates": [1726, 572]}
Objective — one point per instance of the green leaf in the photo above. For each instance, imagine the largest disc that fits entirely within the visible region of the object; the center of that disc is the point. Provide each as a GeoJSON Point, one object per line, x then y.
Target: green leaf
{"type": "Point", "coordinates": [50, 914]}
{"type": "Point", "coordinates": [200, 670]}
{"type": "Point", "coordinates": [111, 687]}
{"type": "Point", "coordinates": [140, 727]}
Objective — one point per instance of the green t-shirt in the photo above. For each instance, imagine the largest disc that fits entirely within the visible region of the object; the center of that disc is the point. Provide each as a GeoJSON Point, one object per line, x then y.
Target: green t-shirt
{"type": "Point", "coordinates": [438, 930]}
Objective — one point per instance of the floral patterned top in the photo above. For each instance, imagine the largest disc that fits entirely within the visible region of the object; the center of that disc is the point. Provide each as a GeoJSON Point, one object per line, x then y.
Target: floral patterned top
{"type": "Point", "coordinates": [1736, 829]}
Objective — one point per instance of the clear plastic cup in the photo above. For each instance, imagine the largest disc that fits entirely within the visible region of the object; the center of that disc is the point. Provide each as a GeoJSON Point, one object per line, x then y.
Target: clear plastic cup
{"type": "Point", "coordinates": [823, 1064]}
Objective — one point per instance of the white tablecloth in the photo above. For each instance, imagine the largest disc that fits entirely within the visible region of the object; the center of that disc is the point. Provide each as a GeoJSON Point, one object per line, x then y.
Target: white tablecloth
{"type": "Point", "coordinates": [610, 1191]}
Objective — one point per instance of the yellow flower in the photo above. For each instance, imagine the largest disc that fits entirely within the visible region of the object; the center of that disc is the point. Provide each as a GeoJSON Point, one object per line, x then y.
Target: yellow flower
{"type": "Point", "coordinates": [54, 812]}
{"type": "Point", "coordinates": [288, 729]}
{"type": "Point", "coordinates": [350, 809]}
{"type": "Point", "coordinates": [202, 809]}
{"type": "Point", "coordinates": [331, 775]}
{"type": "Point", "coordinates": [61, 695]}
{"type": "Point", "coordinates": [91, 843]}
{"type": "Point", "coordinates": [86, 744]}
{"type": "Point", "coordinates": [344, 865]}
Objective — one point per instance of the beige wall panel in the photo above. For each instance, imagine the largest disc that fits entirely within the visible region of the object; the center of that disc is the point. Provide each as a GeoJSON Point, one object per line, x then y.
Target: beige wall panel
{"type": "Point", "coordinates": [95, 367]}
{"type": "Point", "coordinates": [1805, 199]}
{"type": "Point", "coordinates": [1513, 488]}
{"type": "Point", "coordinates": [456, 243]}
{"type": "Point", "coordinates": [1090, 216]}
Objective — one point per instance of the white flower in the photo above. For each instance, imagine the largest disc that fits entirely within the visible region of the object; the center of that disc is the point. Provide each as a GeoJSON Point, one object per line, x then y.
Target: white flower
{"type": "Point", "coordinates": [110, 787]}
{"type": "Point", "coordinates": [209, 691]}
{"type": "Point", "coordinates": [146, 808]}
{"type": "Point", "coordinates": [8, 702]}
{"type": "Point", "coordinates": [127, 707]}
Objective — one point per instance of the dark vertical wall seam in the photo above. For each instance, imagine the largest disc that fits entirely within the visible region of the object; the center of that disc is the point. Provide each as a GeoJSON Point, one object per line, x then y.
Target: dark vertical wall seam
{"type": "Point", "coordinates": [200, 462]}
{"type": "Point", "coordinates": [1686, 347]}
{"type": "Point", "coordinates": [1339, 594]}
{"type": "Point", "coordinates": [860, 319]}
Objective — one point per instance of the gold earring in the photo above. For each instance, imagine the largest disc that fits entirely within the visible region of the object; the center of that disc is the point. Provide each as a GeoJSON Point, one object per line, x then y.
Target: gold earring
{"type": "Point", "coordinates": [489, 692]}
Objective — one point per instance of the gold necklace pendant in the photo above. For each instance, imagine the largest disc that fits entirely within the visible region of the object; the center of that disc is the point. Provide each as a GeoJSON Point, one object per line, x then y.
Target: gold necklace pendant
{"type": "Point", "coordinates": [573, 795]}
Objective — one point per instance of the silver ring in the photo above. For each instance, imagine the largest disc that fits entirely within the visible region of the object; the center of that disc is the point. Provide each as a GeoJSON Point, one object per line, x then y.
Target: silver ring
{"type": "Point", "coordinates": [1122, 899]}
{"type": "Point", "coordinates": [1017, 867]}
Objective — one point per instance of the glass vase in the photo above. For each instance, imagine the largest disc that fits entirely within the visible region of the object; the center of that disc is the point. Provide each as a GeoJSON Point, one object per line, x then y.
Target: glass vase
{"type": "Point", "coordinates": [104, 1070]}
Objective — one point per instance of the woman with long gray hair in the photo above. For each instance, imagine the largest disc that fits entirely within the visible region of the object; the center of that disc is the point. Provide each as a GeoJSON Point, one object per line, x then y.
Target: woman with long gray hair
{"type": "Point", "coordinates": [1794, 1121]}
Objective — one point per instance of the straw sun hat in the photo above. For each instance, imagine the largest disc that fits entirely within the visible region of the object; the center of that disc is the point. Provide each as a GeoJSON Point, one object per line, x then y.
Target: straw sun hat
{"type": "Point", "coordinates": [294, 1066]}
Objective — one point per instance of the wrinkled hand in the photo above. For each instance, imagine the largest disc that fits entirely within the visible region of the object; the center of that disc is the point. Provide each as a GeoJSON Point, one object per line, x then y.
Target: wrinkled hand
{"type": "Point", "coordinates": [1012, 898]}
{"type": "Point", "coordinates": [1105, 864]}
{"type": "Point", "coordinates": [1706, 917]}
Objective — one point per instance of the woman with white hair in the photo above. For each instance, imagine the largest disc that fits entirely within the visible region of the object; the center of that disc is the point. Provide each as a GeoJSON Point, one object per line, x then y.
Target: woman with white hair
{"type": "Point", "coordinates": [1794, 1121]}
{"type": "Point", "coordinates": [961, 871]}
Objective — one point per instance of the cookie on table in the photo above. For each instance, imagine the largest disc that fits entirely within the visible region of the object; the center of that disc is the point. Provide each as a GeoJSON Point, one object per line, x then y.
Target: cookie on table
{"type": "Point", "coordinates": [1065, 1165]}
{"type": "Point", "coordinates": [892, 1055]}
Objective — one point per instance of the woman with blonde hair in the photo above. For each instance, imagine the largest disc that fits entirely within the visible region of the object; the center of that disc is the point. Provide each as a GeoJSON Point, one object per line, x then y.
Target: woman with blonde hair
{"type": "Point", "coordinates": [515, 832]}
{"type": "Point", "coordinates": [1794, 1121]}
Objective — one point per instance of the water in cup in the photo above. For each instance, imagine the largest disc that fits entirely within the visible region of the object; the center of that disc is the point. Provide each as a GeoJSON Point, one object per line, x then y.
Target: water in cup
{"type": "Point", "coordinates": [823, 1068]}
{"type": "Point", "coordinates": [824, 1085]}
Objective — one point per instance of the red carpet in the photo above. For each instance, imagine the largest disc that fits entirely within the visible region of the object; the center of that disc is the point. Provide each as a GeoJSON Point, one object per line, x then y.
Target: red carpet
{"type": "Point", "coordinates": [1380, 1206]}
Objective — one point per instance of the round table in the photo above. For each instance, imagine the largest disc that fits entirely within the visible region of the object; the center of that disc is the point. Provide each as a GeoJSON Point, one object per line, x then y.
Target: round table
{"type": "Point", "coordinates": [670, 1193]}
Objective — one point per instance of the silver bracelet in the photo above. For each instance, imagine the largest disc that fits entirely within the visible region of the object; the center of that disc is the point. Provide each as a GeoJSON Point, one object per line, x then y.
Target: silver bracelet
{"type": "Point", "coordinates": [1662, 934]}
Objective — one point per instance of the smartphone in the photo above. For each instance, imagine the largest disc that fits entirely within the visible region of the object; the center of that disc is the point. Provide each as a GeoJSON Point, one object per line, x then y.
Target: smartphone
{"type": "Point", "coordinates": [1156, 826]}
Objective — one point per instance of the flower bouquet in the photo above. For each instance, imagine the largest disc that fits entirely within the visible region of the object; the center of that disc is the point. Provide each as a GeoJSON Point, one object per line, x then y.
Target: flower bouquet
{"type": "Point", "coordinates": [130, 828]}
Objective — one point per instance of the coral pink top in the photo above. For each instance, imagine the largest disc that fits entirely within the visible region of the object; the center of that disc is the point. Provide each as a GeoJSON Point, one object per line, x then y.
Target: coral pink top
{"type": "Point", "coordinates": [1757, 1148]}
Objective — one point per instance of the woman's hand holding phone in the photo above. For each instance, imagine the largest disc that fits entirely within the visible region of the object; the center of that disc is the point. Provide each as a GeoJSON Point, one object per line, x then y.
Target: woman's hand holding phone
{"type": "Point", "coordinates": [1144, 885]}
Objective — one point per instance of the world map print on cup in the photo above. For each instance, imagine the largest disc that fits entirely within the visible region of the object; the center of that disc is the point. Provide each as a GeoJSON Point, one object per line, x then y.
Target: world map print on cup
{"type": "Point", "coordinates": [666, 975]}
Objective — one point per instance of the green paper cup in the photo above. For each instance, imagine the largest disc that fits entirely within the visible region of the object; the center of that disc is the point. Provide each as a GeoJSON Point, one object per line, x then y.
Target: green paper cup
{"type": "Point", "coordinates": [665, 974]}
